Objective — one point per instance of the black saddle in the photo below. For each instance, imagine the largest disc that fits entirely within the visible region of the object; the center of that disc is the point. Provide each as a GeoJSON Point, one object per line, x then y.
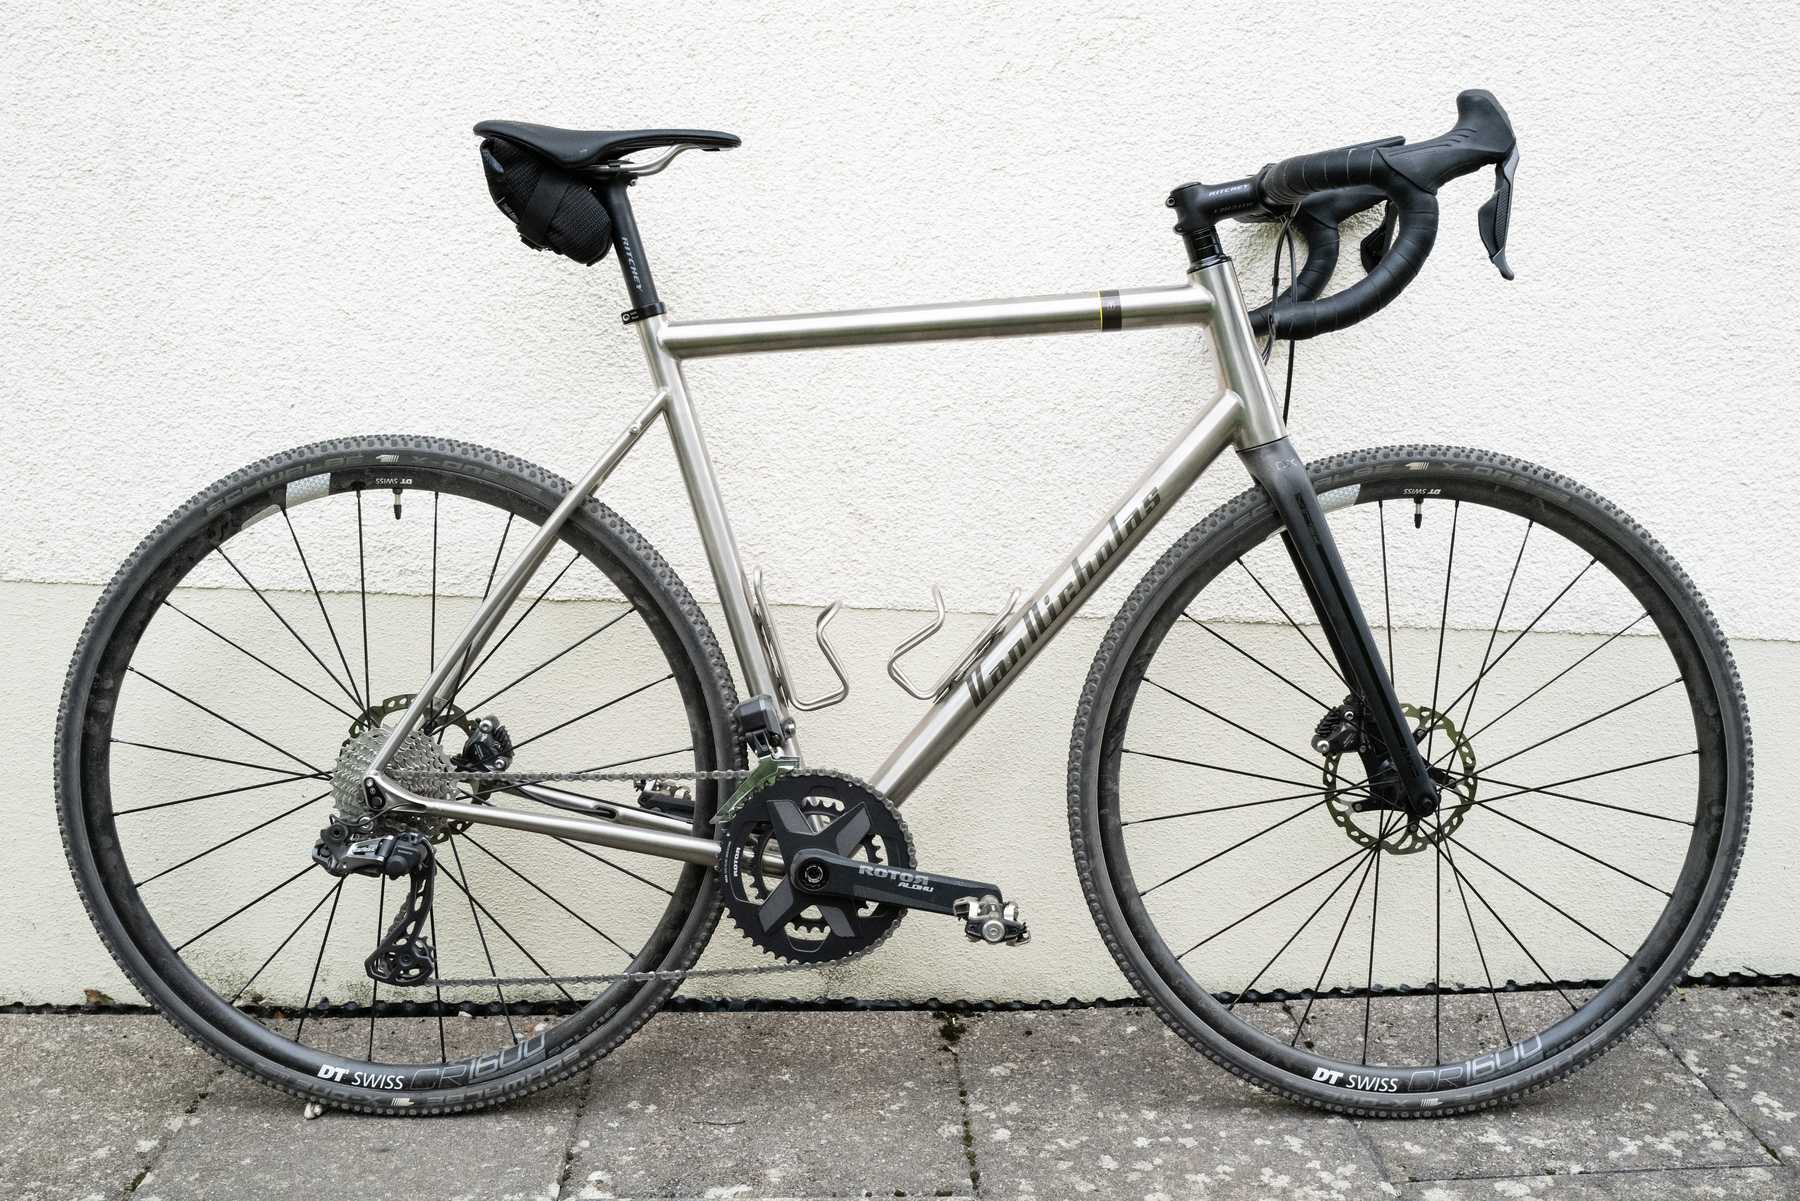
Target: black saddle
{"type": "Point", "coordinates": [586, 147]}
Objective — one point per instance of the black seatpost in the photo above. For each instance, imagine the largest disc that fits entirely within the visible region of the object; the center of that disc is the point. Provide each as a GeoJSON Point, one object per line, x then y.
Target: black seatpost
{"type": "Point", "coordinates": [630, 247]}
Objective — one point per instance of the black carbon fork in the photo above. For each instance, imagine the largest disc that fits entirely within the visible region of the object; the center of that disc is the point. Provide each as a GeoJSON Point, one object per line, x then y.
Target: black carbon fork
{"type": "Point", "coordinates": [1277, 467]}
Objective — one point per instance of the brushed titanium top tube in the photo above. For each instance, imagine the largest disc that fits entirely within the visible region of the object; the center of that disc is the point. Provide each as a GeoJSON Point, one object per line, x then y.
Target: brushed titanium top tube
{"type": "Point", "coordinates": [1078, 312]}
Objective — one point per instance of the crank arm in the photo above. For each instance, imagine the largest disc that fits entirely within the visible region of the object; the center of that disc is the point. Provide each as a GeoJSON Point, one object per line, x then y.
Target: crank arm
{"type": "Point", "coordinates": [986, 917]}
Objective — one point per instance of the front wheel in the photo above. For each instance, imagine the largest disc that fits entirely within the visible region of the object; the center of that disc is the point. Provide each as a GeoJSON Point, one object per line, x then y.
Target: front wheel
{"type": "Point", "coordinates": [233, 682]}
{"type": "Point", "coordinates": [1582, 717]}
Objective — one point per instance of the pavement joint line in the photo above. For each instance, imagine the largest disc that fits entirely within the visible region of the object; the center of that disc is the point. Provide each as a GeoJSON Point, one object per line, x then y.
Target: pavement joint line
{"type": "Point", "coordinates": [951, 1033]}
{"type": "Point", "coordinates": [561, 1179]}
{"type": "Point", "coordinates": [1713, 1167]}
{"type": "Point", "coordinates": [1650, 1025]}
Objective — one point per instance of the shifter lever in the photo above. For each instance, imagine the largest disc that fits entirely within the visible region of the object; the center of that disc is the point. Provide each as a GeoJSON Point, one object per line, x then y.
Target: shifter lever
{"type": "Point", "coordinates": [1496, 214]}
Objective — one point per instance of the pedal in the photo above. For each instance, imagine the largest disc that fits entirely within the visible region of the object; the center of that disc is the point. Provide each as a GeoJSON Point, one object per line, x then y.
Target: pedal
{"type": "Point", "coordinates": [988, 919]}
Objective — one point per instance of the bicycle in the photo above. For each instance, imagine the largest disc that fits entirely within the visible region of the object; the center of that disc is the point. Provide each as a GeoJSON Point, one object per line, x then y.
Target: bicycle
{"type": "Point", "coordinates": [1504, 753]}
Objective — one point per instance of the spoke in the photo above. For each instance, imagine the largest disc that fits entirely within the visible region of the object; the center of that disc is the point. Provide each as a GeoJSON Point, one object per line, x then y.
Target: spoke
{"type": "Point", "coordinates": [1559, 842]}
{"type": "Point", "coordinates": [515, 871]}
{"type": "Point", "coordinates": [603, 859]}
{"type": "Point", "coordinates": [224, 792]}
{"type": "Point", "coordinates": [150, 746]}
{"type": "Point", "coordinates": [640, 759]}
{"type": "Point", "coordinates": [1375, 910]}
{"type": "Point", "coordinates": [259, 900]}
{"type": "Point", "coordinates": [463, 672]}
{"type": "Point", "coordinates": [362, 586]}
{"type": "Point", "coordinates": [284, 675]}
{"type": "Point", "coordinates": [1387, 604]}
{"type": "Point", "coordinates": [1437, 950]}
{"type": "Point", "coordinates": [1297, 796]}
{"type": "Point", "coordinates": [1578, 725]}
{"type": "Point", "coordinates": [1502, 871]}
{"type": "Point", "coordinates": [1520, 790]}
{"type": "Point", "coordinates": [431, 654]}
{"type": "Point", "coordinates": [1284, 896]}
{"type": "Point", "coordinates": [495, 649]}
{"type": "Point", "coordinates": [1553, 679]}
{"type": "Point", "coordinates": [1303, 925]}
{"type": "Point", "coordinates": [1494, 633]}
{"type": "Point", "coordinates": [374, 984]}
{"type": "Point", "coordinates": [323, 939]}
{"type": "Point", "coordinates": [1520, 636]}
{"type": "Point", "coordinates": [1437, 675]}
{"type": "Point", "coordinates": [1234, 846]}
{"type": "Point", "coordinates": [482, 934]}
{"type": "Point", "coordinates": [326, 896]}
{"type": "Point", "coordinates": [1315, 646]}
{"type": "Point", "coordinates": [604, 626]}
{"type": "Point", "coordinates": [1240, 650]}
{"type": "Point", "coordinates": [349, 688]}
{"type": "Point", "coordinates": [329, 628]}
{"type": "Point", "coordinates": [1344, 925]}
{"type": "Point", "coordinates": [517, 746]}
{"type": "Point", "coordinates": [437, 990]}
{"type": "Point", "coordinates": [1312, 763]}
{"type": "Point", "coordinates": [515, 942]}
{"type": "Point", "coordinates": [1443, 857]}
{"type": "Point", "coordinates": [253, 829]}
{"type": "Point", "coordinates": [210, 713]}
{"type": "Point", "coordinates": [1227, 770]}
{"type": "Point", "coordinates": [1548, 978]}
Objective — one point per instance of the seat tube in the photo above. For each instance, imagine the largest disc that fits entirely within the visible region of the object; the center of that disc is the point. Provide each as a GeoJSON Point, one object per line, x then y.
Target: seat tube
{"type": "Point", "coordinates": [1273, 462]}
{"type": "Point", "coordinates": [709, 514]}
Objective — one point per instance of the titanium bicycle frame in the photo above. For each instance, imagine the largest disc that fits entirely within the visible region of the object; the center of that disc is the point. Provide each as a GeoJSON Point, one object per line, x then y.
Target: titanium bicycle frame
{"type": "Point", "coordinates": [1244, 415]}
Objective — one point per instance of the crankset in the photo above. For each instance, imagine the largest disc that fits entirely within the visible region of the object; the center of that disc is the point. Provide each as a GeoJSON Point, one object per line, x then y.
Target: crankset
{"type": "Point", "coordinates": [818, 867]}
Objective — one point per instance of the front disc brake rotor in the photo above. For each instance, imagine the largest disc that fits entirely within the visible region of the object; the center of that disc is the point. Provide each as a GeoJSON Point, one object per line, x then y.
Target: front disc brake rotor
{"type": "Point", "coordinates": [834, 812]}
{"type": "Point", "coordinates": [1345, 801]}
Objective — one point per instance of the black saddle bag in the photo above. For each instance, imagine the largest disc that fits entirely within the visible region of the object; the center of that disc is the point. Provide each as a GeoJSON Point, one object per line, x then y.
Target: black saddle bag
{"type": "Point", "coordinates": [553, 208]}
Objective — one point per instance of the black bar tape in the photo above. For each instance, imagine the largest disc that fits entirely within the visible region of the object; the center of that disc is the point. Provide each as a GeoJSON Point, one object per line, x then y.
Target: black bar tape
{"type": "Point", "coordinates": [1112, 314]}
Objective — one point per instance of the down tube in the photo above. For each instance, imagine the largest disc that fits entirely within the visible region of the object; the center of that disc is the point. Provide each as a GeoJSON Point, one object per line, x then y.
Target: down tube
{"type": "Point", "coordinates": [1058, 597]}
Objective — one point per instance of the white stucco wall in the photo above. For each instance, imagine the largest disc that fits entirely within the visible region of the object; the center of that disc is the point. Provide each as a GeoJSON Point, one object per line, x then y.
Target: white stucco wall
{"type": "Point", "coordinates": [236, 229]}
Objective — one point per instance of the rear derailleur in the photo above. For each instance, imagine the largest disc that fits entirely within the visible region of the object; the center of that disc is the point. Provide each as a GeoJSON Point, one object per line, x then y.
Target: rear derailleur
{"type": "Point", "coordinates": [404, 956]}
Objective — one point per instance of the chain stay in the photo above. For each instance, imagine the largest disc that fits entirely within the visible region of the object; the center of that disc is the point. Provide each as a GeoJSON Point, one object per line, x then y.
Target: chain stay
{"type": "Point", "coordinates": [535, 777]}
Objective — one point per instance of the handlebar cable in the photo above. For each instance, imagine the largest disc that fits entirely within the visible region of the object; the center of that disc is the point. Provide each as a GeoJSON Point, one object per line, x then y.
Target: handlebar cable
{"type": "Point", "coordinates": [1285, 236]}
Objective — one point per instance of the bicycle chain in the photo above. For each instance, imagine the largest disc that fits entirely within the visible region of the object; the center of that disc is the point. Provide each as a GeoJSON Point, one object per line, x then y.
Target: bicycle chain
{"type": "Point", "coordinates": [675, 974]}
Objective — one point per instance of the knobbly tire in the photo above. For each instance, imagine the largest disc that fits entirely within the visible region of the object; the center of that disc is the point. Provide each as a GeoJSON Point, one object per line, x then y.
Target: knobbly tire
{"type": "Point", "coordinates": [256, 1038]}
{"type": "Point", "coordinates": [1250, 1013]}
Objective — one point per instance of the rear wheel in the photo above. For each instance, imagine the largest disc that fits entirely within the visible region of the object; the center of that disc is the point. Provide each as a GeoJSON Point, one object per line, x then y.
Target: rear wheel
{"type": "Point", "coordinates": [1577, 705]}
{"type": "Point", "coordinates": [226, 691]}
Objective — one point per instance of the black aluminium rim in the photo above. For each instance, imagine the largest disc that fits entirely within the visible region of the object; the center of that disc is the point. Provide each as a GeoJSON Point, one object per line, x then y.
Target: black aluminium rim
{"type": "Point", "coordinates": [1524, 491]}
{"type": "Point", "coordinates": [151, 574]}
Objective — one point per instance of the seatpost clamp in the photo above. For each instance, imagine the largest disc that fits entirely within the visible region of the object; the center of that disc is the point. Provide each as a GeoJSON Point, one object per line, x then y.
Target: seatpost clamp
{"type": "Point", "coordinates": [629, 316]}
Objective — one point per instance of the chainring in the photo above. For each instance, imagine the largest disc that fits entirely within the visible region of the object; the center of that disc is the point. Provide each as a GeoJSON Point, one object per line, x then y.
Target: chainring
{"type": "Point", "coordinates": [824, 809]}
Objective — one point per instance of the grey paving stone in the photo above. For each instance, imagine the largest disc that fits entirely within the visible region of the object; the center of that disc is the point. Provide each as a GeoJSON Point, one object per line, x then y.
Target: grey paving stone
{"type": "Point", "coordinates": [1109, 1103]}
{"type": "Point", "coordinates": [773, 1104]}
{"type": "Point", "coordinates": [1637, 1107]}
{"type": "Point", "coordinates": [247, 1140]}
{"type": "Point", "coordinates": [1745, 1043]}
{"type": "Point", "coordinates": [1712, 1184]}
{"type": "Point", "coordinates": [89, 1100]}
